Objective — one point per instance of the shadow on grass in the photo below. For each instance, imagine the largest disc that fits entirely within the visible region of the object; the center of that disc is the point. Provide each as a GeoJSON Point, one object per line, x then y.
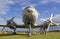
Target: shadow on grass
{"type": "Point", "coordinates": [24, 35]}
{"type": "Point", "coordinates": [5, 34]}
{"type": "Point", "coordinates": [12, 34]}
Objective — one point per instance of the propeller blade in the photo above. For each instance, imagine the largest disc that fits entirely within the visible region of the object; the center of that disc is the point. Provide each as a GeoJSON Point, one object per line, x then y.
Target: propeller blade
{"type": "Point", "coordinates": [4, 18]}
{"type": "Point", "coordinates": [51, 17]}
{"type": "Point", "coordinates": [48, 27]}
{"type": "Point", "coordinates": [56, 24]}
{"type": "Point", "coordinates": [43, 19]}
{"type": "Point", "coordinates": [12, 18]}
{"type": "Point", "coordinates": [3, 28]}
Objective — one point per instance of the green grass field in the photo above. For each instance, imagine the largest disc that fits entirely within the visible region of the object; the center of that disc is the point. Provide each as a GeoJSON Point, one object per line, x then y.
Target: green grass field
{"type": "Point", "coordinates": [50, 35]}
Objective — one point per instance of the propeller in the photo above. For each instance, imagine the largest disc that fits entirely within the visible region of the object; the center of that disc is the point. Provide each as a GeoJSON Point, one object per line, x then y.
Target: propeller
{"type": "Point", "coordinates": [49, 20]}
{"type": "Point", "coordinates": [8, 21]}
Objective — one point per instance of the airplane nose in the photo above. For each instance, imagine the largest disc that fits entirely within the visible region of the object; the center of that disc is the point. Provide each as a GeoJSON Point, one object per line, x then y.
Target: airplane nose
{"type": "Point", "coordinates": [30, 11]}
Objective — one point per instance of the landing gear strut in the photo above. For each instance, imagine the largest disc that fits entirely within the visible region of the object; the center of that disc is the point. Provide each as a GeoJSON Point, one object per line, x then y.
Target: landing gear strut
{"type": "Point", "coordinates": [29, 33]}
{"type": "Point", "coordinates": [14, 31]}
{"type": "Point", "coordinates": [43, 31]}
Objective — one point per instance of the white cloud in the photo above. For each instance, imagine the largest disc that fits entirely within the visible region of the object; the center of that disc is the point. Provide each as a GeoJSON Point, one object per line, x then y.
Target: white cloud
{"type": "Point", "coordinates": [42, 2]}
{"type": "Point", "coordinates": [18, 21]}
{"type": "Point", "coordinates": [10, 2]}
{"type": "Point", "coordinates": [47, 1]}
{"type": "Point", "coordinates": [4, 8]}
{"type": "Point", "coordinates": [39, 22]}
{"type": "Point", "coordinates": [46, 11]}
{"type": "Point", "coordinates": [56, 18]}
{"type": "Point", "coordinates": [2, 22]}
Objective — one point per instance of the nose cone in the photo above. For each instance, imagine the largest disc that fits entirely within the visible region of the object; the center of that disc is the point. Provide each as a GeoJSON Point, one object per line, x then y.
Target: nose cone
{"type": "Point", "coordinates": [29, 7]}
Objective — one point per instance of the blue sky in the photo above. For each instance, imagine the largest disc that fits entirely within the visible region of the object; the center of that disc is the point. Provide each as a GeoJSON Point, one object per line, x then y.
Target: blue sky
{"type": "Point", "coordinates": [9, 8]}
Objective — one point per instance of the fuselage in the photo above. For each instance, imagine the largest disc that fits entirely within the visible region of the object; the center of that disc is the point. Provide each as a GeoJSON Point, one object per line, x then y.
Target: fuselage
{"type": "Point", "coordinates": [30, 15]}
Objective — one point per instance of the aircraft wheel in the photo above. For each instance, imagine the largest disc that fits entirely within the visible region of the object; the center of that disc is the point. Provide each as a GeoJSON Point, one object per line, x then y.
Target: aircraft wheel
{"type": "Point", "coordinates": [14, 33]}
{"type": "Point", "coordinates": [44, 32]}
{"type": "Point", "coordinates": [29, 34]}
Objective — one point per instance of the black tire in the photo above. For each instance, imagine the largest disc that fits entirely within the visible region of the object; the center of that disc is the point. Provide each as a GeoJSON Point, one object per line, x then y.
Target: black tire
{"type": "Point", "coordinates": [14, 33]}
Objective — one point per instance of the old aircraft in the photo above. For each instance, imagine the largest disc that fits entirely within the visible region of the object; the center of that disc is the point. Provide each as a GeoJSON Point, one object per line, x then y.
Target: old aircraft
{"type": "Point", "coordinates": [29, 16]}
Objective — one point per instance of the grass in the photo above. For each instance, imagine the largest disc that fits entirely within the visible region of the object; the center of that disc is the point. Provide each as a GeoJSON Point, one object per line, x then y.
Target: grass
{"type": "Point", "coordinates": [50, 35]}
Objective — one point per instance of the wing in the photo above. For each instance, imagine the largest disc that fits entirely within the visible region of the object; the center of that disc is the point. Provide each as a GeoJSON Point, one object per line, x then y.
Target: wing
{"type": "Point", "coordinates": [23, 26]}
{"type": "Point", "coordinates": [2, 25]}
{"type": "Point", "coordinates": [54, 24]}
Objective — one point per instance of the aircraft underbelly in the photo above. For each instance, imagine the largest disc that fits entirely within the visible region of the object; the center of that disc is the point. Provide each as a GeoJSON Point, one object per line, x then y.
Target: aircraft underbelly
{"type": "Point", "coordinates": [27, 19]}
